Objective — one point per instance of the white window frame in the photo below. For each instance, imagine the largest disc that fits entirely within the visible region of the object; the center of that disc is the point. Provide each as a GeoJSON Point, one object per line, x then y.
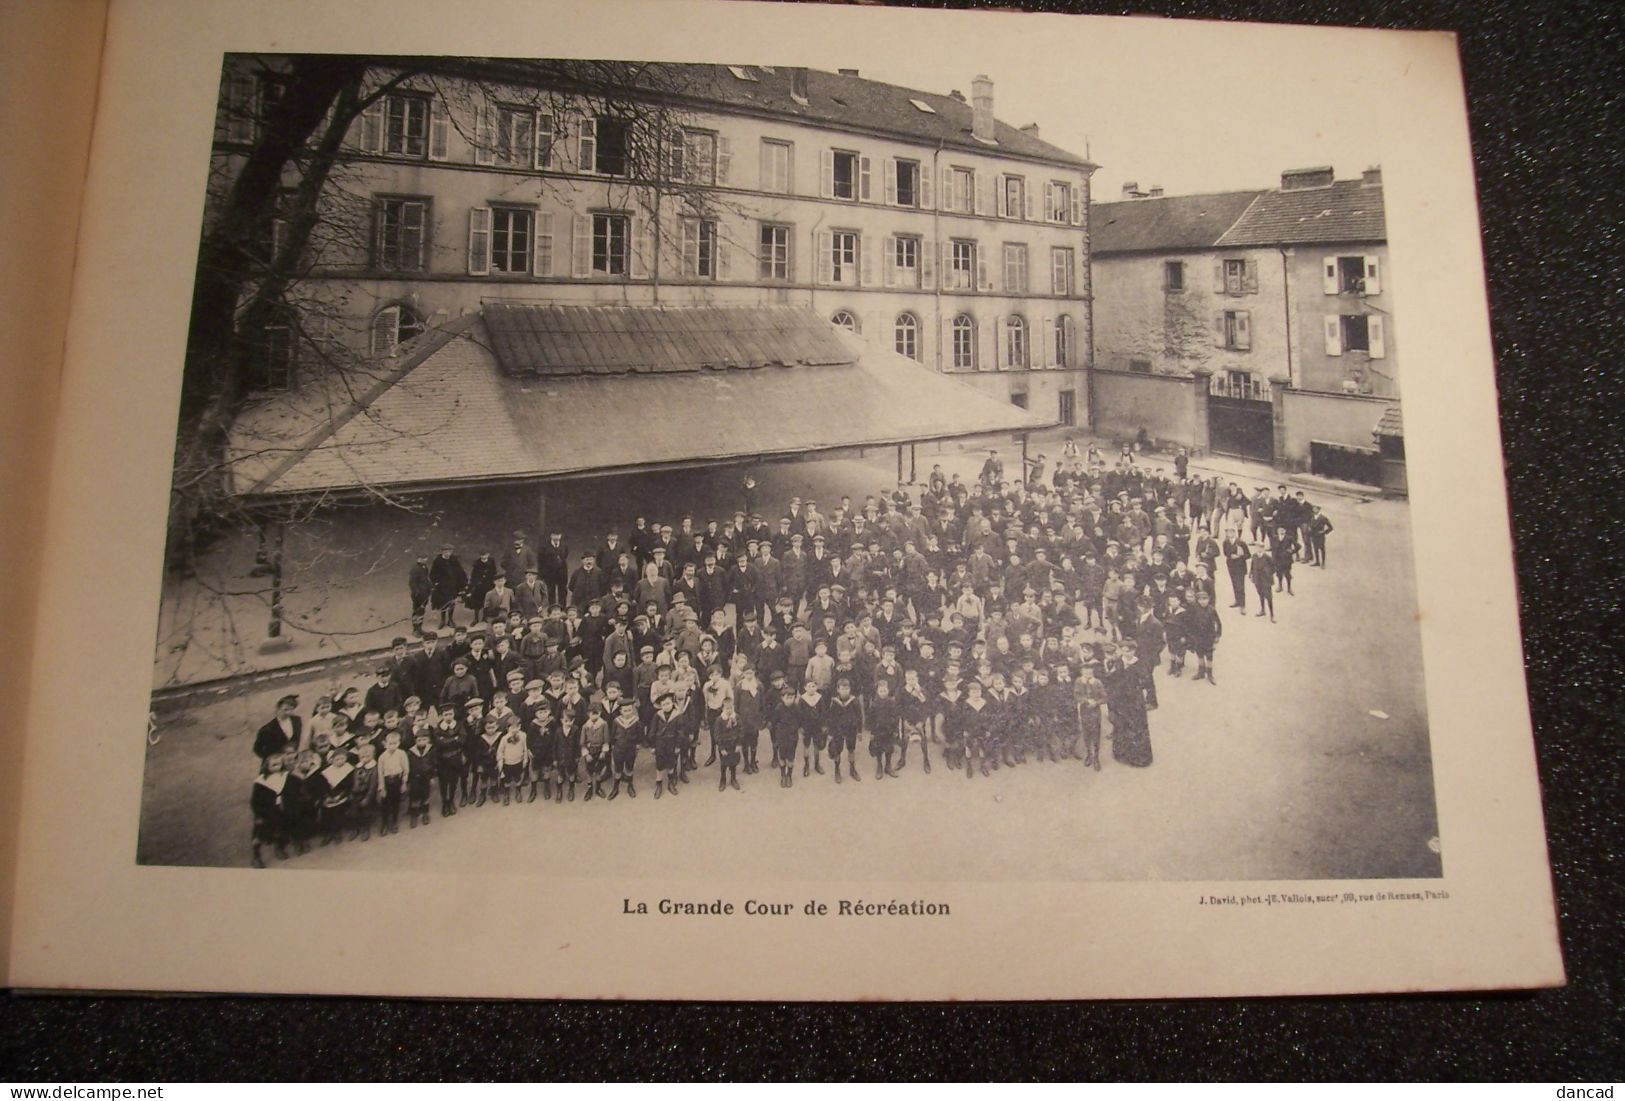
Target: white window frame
{"type": "Point", "coordinates": [603, 223]}
{"type": "Point", "coordinates": [775, 258]}
{"type": "Point", "coordinates": [388, 135]}
{"type": "Point", "coordinates": [962, 264]}
{"type": "Point", "coordinates": [381, 245]}
{"type": "Point", "coordinates": [906, 336]}
{"type": "Point", "coordinates": [1015, 342]}
{"type": "Point", "coordinates": [846, 319]}
{"type": "Point", "coordinates": [962, 344]}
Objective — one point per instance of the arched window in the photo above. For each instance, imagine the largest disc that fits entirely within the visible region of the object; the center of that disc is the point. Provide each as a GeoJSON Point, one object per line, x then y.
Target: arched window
{"type": "Point", "coordinates": [907, 336]}
{"type": "Point", "coordinates": [393, 326]}
{"type": "Point", "coordinates": [1063, 341]}
{"type": "Point", "coordinates": [845, 319]}
{"type": "Point", "coordinates": [964, 343]}
{"type": "Point", "coordinates": [1015, 341]}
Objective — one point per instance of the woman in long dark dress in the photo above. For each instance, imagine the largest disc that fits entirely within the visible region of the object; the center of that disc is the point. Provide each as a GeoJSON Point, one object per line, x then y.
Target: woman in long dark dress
{"type": "Point", "coordinates": [1125, 704]}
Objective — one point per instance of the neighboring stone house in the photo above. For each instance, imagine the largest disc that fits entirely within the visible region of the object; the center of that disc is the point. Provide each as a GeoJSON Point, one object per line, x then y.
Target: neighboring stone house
{"type": "Point", "coordinates": [1291, 283]}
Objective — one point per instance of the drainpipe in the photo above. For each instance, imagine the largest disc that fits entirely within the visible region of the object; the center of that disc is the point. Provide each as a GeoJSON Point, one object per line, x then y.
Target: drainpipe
{"type": "Point", "coordinates": [936, 252]}
{"type": "Point", "coordinates": [1286, 298]}
{"type": "Point", "coordinates": [812, 274]}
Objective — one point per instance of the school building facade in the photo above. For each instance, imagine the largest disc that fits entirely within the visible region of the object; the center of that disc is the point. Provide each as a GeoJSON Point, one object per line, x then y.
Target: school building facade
{"type": "Point", "coordinates": [916, 220]}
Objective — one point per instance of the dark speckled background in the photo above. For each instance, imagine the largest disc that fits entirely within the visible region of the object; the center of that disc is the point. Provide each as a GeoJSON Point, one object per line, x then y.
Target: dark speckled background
{"type": "Point", "coordinates": [1547, 87]}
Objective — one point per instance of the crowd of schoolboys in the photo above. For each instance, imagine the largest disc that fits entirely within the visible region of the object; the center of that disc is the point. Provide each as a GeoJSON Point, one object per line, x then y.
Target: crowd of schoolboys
{"type": "Point", "coordinates": [992, 622]}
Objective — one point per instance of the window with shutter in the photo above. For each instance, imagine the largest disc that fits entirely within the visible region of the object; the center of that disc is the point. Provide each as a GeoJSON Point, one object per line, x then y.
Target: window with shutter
{"type": "Point", "coordinates": [511, 239]}
{"type": "Point", "coordinates": [372, 128]}
{"type": "Point", "coordinates": [1015, 342]}
{"type": "Point", "coordinates": [863, 180]}
{"type": "Point", "coordinates": [611, 244]}
{"type": "Point", "coordinates": [240, 108]}
{"type": "Point", "coordinates": [406, 125]}
{"type": "Point", "coordinates": [1328, 278]}
{"type": "Point", "coordinates": [1377, 346]}
{"type": "Point", "coordinates": [1373, 275]}
{"type": "Point", "coordinates": [926, 195]}
{"type": "Point", "coordinates": [383, 340]}
{"type": "Point", "coordinates": [1249, 277]}
{"type": "Point", "coordinates": [964, 343]}
{"type": "Point", "coordinates": [906, 336]}
{"type": "Point", "coordinates": [725, 160]}
{"type": "Point", "coordinates": [485, 139]}
{"type": "Point", "coordinates": [581, 246]}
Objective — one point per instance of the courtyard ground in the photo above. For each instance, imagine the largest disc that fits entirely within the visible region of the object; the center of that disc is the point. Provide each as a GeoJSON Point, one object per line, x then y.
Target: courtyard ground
{"type": "Point", "coordinates": [1309, 759]}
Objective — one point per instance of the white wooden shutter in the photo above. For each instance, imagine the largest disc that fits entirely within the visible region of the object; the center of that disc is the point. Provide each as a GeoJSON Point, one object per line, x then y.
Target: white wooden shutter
{"type": "Point", "coordinates": [1027, 201]}
{"type": "Point", "coordinates": [372, 128]}
{"type": "Point", "coordinates": [1374, 336]}
{"type": "Point", "coordinates": [1244, 330]}
{"type": "Point", "coordinates": [581, 245]}
{"type": "Point", "coordinates": [889, 262]}
{"type": "Point", "coordinates": [1218, 277]}
{"type": "Point", "coordinates": [826, 173]}
{"type": "Point", "coordinates": [1334, 334]}
{"type": "Point", "coordinates": [947, 201]}
{"type": "Point", "coordinates": [826, 267]}
{"type": "Point", "coordinates": [863, 180]}
{"type": "Point", "coordinates": [866, 266]}
{"type": "Point", "coordinates": [439, 130]}
{"type": "Point", "coordinates": [1042, 339]}
{"type": "Point", "coordinates": [1329, 275]}
{"type": "Point", "coordinates": [889, 167]}
{"type": "Point", "coordinates": [544, 140]}
{"type": "Point", "coordinates": [1249, 277]}
{"type": "Point", "coordinates": [544, 243]}
{"type": "Point", "coordinates": [725, 159]}
{"type": "Point", "coordinates": [927, 256]}
{"type": "Point", "coordinates": [479, 240]}
{"type": "Point", "coordinates": [691, 246]}
{"type": "Point", "coordinates": [586, 144]}
{"type": "Point", "coordinates": [984, 193]}
{"type": "Point", "coordinates": [386, 327]}
{"type": "Point", "coordinates": [1218, 329]}
{"type": "Point", "coordinates": [1373, 275]}
{"type": "Point", "coordinates": [1075, 194]}
{"type": "Point", "coordinates": [722, 249]}
{"type": "Point", "coordinates": [642, 247]}
{"type": "Point", "coordinates": [1001, 341]}
{"type": "Point", "coordinates": [984, 278]}
{"type": "Point", "coordinates": [485, 135]}
{"type": "Point", "coordinates": [925, 188]}
{"type": "Point", "coordinates": [950, 278]}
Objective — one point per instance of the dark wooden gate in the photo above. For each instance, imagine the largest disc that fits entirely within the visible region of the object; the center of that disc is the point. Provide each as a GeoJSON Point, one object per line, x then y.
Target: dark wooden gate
{"type": "Point", "coordinates": [1241, 420]}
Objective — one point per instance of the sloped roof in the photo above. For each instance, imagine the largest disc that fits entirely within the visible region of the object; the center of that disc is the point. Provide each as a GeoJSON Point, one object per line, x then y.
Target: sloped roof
{"type": "Point", "coordinates": [573, 340]}
{"type": "Point", "coordinates": [453, 417]}
{"type": "Point", "coordinates": [1349, 210]}
{"type": "Point", "coordinates": [832, 99]}
{"type": "Point", "coordinates": [1391, 423]}
{"type": "Point", "coordinates": [1165, 223]}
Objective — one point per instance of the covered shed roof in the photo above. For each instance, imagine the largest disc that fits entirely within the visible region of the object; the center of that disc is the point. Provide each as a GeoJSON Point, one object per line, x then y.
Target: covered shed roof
{"type": "Point", "coordinates": [487, 400]}
{"type": "Point", "coordinates": [1391, 423]}
{"type": "Point", "coordinates": [1164, 223]}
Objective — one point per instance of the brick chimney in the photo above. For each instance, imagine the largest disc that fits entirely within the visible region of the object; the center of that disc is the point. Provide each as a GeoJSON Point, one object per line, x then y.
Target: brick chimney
{"type": "Point", "coordinates": [1371, 177]}
{"type": "Point", "coordinates": [981, 97]}
{"type": "Point", "coordinates": [798, 85]}
{"type": "Point", "coordinates": [957, 94]}
{"type": "Point", "coordinates": [1154, 192]}
{"type": "Point", "coordinates": [1131, 190]}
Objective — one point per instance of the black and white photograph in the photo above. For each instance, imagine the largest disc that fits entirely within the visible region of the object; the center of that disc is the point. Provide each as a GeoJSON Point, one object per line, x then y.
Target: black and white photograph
{"type": "Point", "coordinates": [607, 468]}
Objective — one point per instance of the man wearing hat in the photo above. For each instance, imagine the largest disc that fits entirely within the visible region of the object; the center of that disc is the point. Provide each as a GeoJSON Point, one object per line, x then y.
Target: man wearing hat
{"type": "Point", "coordinates": [710, 587]}
{"type": "Point", "coordinates": [553, 562]}
{"type": "Point", "coordinates": [282, 732]}
{"type": "Point", "coordinates": [447, 581]}
{"type": "Point", "coordinates": [419, 588]}
{"type": "Point", "coordinates": [587, 583]}
{"type": "Point", "coordinates": [385, 694]}
{"type": "Point", "coordinates": [530, 596]}
{"type": "Point", "coordinates": [518, 559]}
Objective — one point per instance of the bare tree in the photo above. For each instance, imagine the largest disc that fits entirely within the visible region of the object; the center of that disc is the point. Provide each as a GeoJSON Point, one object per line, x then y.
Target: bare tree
{"type": "Point", "coordinates": [288, 203]}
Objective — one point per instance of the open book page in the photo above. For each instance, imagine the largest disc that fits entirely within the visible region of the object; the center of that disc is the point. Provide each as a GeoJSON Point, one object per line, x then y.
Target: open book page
{"type": "Point", "coordinates": [776, 516]}
{"type": "Point", "coordinates": [50, 60]}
